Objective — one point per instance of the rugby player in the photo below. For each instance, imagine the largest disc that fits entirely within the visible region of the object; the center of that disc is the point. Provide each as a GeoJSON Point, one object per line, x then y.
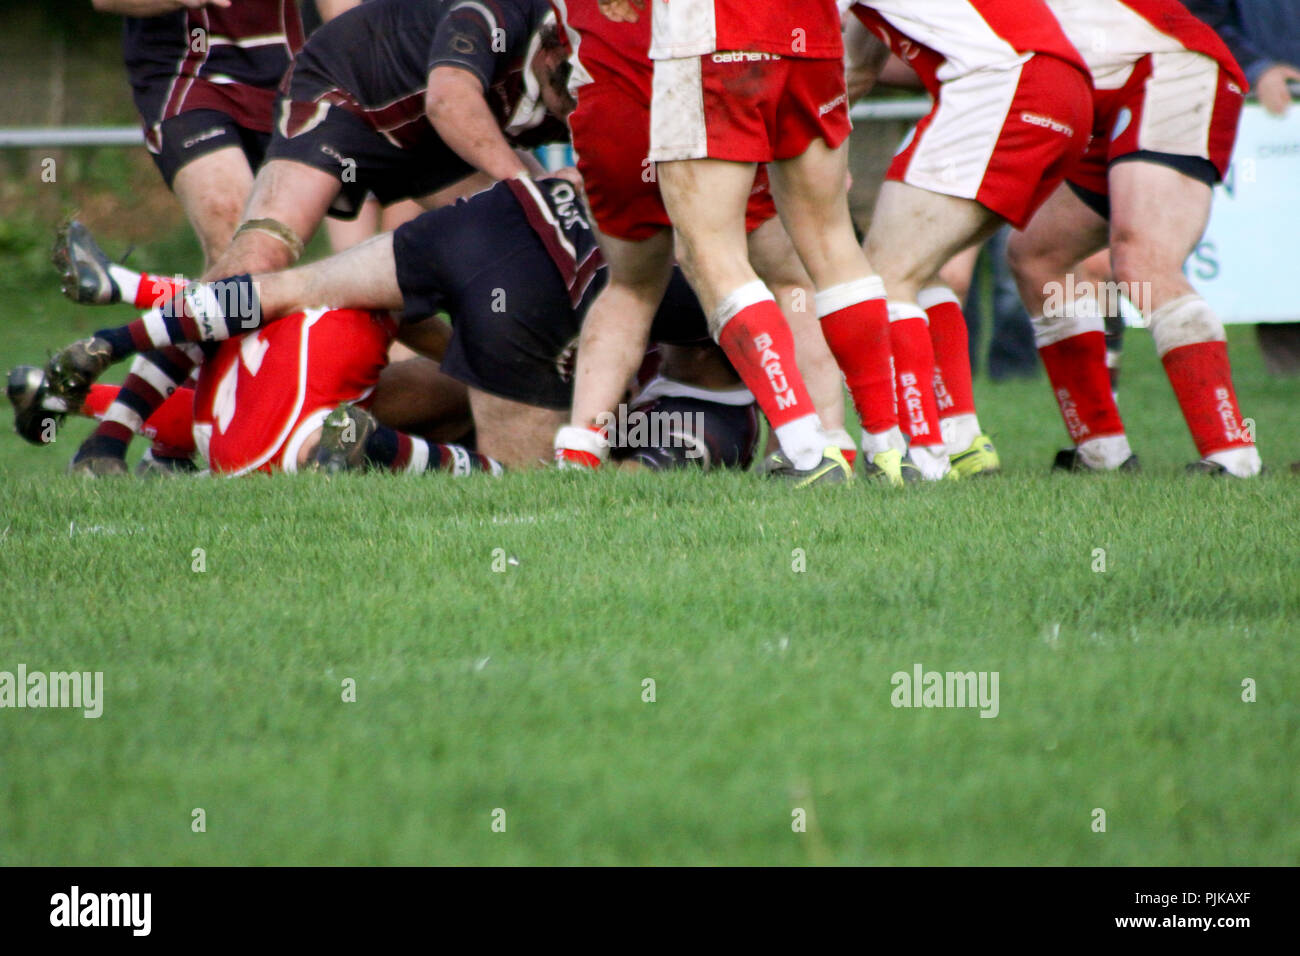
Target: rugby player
{"type": "Point", "coordinates": [203, 76]}
{"type": "Point", "coordinates": [1169, 95]}
{"type": "Point", "coordinates": [402, 99]}
{"type": "Point", "coordinates": [515, 266]}
{"type": "Point", "coordinates": [260, 400]}
{"type": "Point", "coordinates": [710, 202]}
{"type": "Point", "coordinates": [1012, 112]}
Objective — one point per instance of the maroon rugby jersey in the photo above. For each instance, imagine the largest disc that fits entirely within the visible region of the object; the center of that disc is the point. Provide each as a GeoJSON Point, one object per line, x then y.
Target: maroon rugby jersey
{"type": "Point", "coordinates": [227, 59]}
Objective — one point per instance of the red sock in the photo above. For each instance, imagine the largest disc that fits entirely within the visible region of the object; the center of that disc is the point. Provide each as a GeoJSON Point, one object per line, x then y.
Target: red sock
{"type": "Point", "coordinates": [1080, 381]}
{"type": "Point", "coordinates": [760, 346]}
{"type": "Point", "coordinates": [156, 290]}
{"type": "Point", "coordinates": [918, 411]}
{"type": "Point", "coordinates": [953, 391]}
{"type": "Point", "coordinates": [98, 400]}
{"type": "Point", "coordinates": [171, 426]}
{"type": "Point", "coordinates": [1202, 381]}
{"type": "Point", "coordinates": [858, 337]}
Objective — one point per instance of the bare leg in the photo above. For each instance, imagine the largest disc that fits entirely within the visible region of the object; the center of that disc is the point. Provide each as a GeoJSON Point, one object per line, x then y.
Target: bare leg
{"type": "Point", "coordinates": [363, 277]}
{"type": "Point", "coordinates": [775, 260]}
{"type": "Point", "coordinates": [291, 193]}
{"type": "Point", "coordinates": [959, 271]}
{"type": "Point", "coordinates": [706, 201]}
{"type": "Point", "coordinates": [809, 192]}
{"type": "Point", "coordinates": [413, 395]}
{"type": "Point", "coordinates": [213, 190]}
{"type": "Point", "coordinates": [617, 326]}
{"type": "Point", "coordinates": [1069, 329]}
{"type": "Point", "coordinates": [344, 233]}
{"type": "Point", "coordinates": [515, 434]}
{"type": "Point", "coordinates": [850, 304]}
{"type": "Point", "coordinates": [1158, 216]}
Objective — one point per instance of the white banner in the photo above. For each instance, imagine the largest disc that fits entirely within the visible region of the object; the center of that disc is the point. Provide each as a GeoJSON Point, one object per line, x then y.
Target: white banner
{"type": "Point", "coordinates": [1251, 250]}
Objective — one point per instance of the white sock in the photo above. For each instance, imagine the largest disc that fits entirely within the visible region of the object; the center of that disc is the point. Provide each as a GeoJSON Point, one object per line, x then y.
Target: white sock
{"type": "Point", "coordinates": [1241, 462]}
{"type": "Point", "coordinates": [127, 282]}
{"type": "Point", "coordinates": [419, 455]}
{"type": "Point", "coordinates": [840, 439]}
{"type": "Point", "coordinates": [1105, 454]}
{"type": "Point", "coordinates": [803, 441]}
{"type": "Point", "coordinates": [874, 444]}
{"type": "Point", "coordinates": [933, 464]}
{"type": "Point", "coordinates": [959, 432]}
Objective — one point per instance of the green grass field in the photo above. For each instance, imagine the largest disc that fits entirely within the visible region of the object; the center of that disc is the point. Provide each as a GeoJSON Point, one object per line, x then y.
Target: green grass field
{"type": "Point", "coordinates": [522, 689]}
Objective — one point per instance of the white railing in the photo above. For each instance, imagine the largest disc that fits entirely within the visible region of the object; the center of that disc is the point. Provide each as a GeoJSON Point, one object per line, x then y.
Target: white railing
{"type": "Point", "coordinates": [68, 137]}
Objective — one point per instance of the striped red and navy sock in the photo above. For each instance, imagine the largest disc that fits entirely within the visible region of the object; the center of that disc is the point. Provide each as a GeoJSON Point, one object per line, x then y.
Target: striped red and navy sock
{"type": "Point", "coordinates": [204, 312]}
{"type": "Point", "coordinates": [390, 449]}
{"type": "Point", "coordinates": [153, 377]}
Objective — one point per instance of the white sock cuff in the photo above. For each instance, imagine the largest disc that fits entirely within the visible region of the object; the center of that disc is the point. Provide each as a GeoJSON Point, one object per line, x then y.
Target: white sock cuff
{"type": "Point", "coordinates": [1080, 316]}
{"type": "Point", "coordinates": [205, 307]}
{"type": "Point", "coordinates": [751, 293]}
{"type": "Point", "coordinates": [898, 311]}
{"type": "Point", "coordinates": [156, 328]}
{"type": "Point", "coordinates": [123, 415]}
{"type": "Point", "coordinates": [576, 438]}
{"type": "Point", "coordinates": [128, 282]}
{"type": "Point", "coordinates": [803, 440]}
{"type": "Point", "coordinates": [840, 439]}
{"type": "Point", "coordinates": [158, 380]}
{"type": "Point", "coordinates": [934, 295]}
{"type": "Point", "coordinates": [848, 294]}
{"type": "Point", "coordinates": [1185, 321]}
{"type": "Point", "coordinates": [419, 455]}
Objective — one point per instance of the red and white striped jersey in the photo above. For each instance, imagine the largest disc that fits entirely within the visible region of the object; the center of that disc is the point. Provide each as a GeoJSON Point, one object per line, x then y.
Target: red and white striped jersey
{"type": "Point", "coordinates": [945, 39]}
{"type": "Point", "coordinates": [686, 28]}
{"type": "Point", "coordinates": [1112, 35]}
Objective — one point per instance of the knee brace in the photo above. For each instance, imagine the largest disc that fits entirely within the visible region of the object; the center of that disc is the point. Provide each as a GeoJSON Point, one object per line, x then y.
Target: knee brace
{"type": "Point", "coordinates": [276, 230]}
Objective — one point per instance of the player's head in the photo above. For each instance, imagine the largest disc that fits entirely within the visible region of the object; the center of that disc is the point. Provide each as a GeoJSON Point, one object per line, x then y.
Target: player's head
{"type": "Point", "coordinates": [551, 66]}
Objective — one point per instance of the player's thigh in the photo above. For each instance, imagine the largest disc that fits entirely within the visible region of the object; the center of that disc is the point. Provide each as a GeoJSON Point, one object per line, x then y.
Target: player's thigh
{"type": "Point", "coordinates": [365, 277]}
{"type": "Point", "coordinates": [706, 201]}
{"type": "Point", "coordinates": [812, 197]}
{"type": "Point", "coordinates": [213, 190]}
{"type": "Point", "coordinates": [346, 233]}
{"type": "Point", "coordinates": [398, 213]}
{"type": "Point", "coordinates": [292, 193]}
{"type": "Point", "coordinates": [914, 232]}
{"type": "Point", "coordinates": [1158, 215]}
{"type": "Point", "coordinates": [288, 193]}
{"type": "Point", "coordinates": [413, 395]}
{"type": "Point", "coordinates": [515, 434]}
{"type": "Point", "coordinates": [642, 267]}
{"type": "Point", "coordinates": [1063, 232]}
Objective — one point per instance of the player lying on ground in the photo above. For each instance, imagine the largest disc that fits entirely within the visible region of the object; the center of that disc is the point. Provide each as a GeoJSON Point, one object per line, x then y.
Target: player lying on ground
{"type": "Point", "coordinates": [260, 401]}
{"type": "Point", "coordinates": [615, 84]}
{"type": "Point", "coordinates": [514, 266]}
{"type": "Point", "coordinates": [1012, 112]}
{"type": "Point", "coordinates": [204, 77]}
{"type": "Point", "coordinates": [1168, 99]}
